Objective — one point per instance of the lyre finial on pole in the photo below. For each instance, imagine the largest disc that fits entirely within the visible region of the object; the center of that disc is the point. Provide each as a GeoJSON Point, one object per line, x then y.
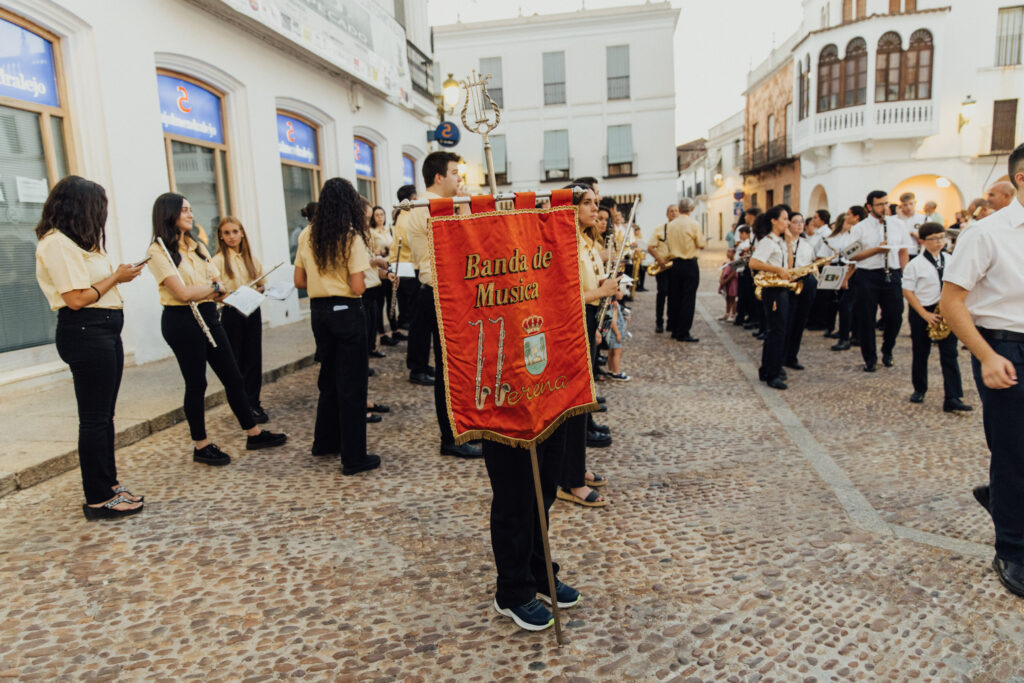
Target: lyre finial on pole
{"type": "Point", "coordinates": [480, 108]}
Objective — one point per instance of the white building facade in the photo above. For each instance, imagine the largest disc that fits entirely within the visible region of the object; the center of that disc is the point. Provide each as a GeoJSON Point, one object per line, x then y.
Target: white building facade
{"type": "Point", "coordinates": [889, 96]}
{"type": "Point", "coordinates": [586, 93]}
{"type": "Point", "coordinates": [714, 179]}
{"type": "Point", "coordinates": [243, 107]}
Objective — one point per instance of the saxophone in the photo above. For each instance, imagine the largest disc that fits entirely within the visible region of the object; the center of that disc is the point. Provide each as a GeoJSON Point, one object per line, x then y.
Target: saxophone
{"type": "Point", "coordinates": [795, 284]}
{"type": "Point", "coordinates": [939, 330]}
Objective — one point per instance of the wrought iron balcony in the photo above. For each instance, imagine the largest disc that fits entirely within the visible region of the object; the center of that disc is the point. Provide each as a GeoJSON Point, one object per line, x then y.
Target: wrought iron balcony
{"type": "Point", "coordinates": [761, 157]}
{"type": "Point", "coordinates": [421, 70]}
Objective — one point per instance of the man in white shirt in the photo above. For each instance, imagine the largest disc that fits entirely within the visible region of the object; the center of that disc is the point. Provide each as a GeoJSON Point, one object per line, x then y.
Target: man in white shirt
{"type": "Point", "coordinates": [983, 303]}
{"type": "Point", "coordinates": [908, 217]}
{"type": "Point", "coordinates": [877, 278]}
{"type": "Point", "coordinates": [922, 286]}
{"type": "Point", "coordinates": [799, 304]}
{"type": "Point", "coordinates": [931, 213]}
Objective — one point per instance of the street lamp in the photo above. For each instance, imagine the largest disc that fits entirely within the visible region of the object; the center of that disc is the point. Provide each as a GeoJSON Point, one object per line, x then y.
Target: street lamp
{"type": "Point", "coordinates": [448, 98]}
{"type": "Point", "coordinates": [966, 112]}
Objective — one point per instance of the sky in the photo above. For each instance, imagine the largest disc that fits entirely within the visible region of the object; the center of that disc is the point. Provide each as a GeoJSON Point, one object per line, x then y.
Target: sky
{"type": "Point", "coordinates": [716, 43]}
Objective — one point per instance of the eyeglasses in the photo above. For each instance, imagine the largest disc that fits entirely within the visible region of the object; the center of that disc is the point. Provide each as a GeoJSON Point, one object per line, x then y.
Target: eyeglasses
{"type": "Point", "coordinates": [935, 238]}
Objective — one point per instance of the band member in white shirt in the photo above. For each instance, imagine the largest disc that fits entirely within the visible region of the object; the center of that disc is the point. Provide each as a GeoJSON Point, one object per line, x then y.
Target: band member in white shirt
{"type": "Point", "coordinates": [799, 304]}
{"type": "Point", "coordinates": [846, 296]}
{"type": "Point", "coordinates": [878, 278]}
{"type": "Point", "coordinates": [983, 303]}
{"type": "Point", "coordinates": [772, 255]}
{"type": "Point", "coordinates": [907, 216]}
{"type": "Point", "coordinates": [922, 286]}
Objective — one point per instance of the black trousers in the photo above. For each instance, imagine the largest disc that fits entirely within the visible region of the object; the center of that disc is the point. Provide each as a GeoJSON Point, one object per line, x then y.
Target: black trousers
{"type": "Point", "coordinates": [407, 289]}
{"type": "Point", "coordinates": [776, 304]}
{"type": "Point", "coordinates": [748, 308]}
{"type": "Point", "coordinates": [921, 346]}
{"type": "Point", "coordinates": [182, 333]}
{"type": "Point", "coordinates": [1002, 409]}
{"type": "Point", "coordinates": [682, 296]}
{"type": "Point", "coordinates": [89, 341]}
{"type": "Point", "coordinates": [843, 306]}
{"type": "Point", "coordinates": [373, 299]}
{"type": "Point", "coordinates": [873, 291]}
{"type": "Point", "coordinates": [574, 465]}
{"type": "Point", "coordinates": [339, 328]}
{"type": "Point", "coordinates": [641, 278]}
{"type": "Point", "coordinates": [421, 330]}
{"type": "Point", "coordinates": [246, 337]}
{"type": "Point", "coordinates": [661, 280]}
{"type": "Point", "coordinates": [385, 309]}
{"type": "Point", "coordinates": [515, 524]}
{"type": "Point", "coordinates": [800, 312]}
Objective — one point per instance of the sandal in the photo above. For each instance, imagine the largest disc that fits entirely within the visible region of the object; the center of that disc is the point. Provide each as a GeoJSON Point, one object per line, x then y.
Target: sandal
{"type": "Point", "coordinates": [124, 490]}
{"type": "Point", "coordinates": [107, 511]}
{"type": "Point", "coordinates": [378, 408]}
{"type": "Point", "coordinates": [597, 482]}
{"type": "Point", "coordinates": [591, 501]}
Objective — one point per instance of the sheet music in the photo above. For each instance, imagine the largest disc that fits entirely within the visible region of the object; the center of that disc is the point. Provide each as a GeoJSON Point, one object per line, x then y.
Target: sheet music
{"type": "Point", "coordinates": [245, 300]}
{"type": "Point", "coordinates": [279, 291]}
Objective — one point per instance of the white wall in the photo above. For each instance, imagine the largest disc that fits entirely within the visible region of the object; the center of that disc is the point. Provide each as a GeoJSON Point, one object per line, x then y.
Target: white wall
{"type": "Point", "coordinates": [110, 60]}
{"type": "Point", "coordinates": [583, 36]}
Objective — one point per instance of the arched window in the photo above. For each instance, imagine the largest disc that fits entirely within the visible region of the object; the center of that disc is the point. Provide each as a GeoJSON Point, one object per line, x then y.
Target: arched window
{"type": "Point", "coordinates": [298, 146]}
{"type": "Point", "coordinates": [828, 78]}
{"type": "Point", "coordinates": [365, 153]}
{"type": "Point", "coordinates": [855, 73]}
{"type": "Point", "coordinates": [887, 67]}
{"type": "Point", "coordinates": [917, 67]}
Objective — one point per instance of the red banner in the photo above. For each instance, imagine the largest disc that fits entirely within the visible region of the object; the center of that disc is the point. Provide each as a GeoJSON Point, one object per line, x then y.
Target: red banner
{"type": "Point", "coordinates": [510, 314]}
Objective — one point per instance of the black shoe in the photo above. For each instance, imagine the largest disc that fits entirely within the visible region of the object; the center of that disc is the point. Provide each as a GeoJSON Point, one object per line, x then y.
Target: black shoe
{"type": "Point", "coordinates": [831, 335]}
{"type": "Point", "coordinates": [265, 439]}
{"type": "Point", "coordinates": [917, 397]}
{"type": "Point", "coordinates": [598, 440]}
{"type": "Point", "coordinates": [372, 462]}
{"type": "Point", "coordinates": [659, 329]}
{"type": "Point", "coordinates": [870, 367]}
{"type": "Point", "coordinates": [749, 325]}
{"type": "Point", "coordinates": [1011, 575]}
{"type": "Point", "coordinates": [688, 338]}
{"type": "Point", "coordinates": [841, 346]}
{"type": "Point", "coordinates": [431, 370]}
{"type": "Point", "coordinates": [777, 383]}
{"type": "Point", "coordinates": [952, 405]}
{"type": "Point", "coordinates": [210, 455]}
{"type": "Point", "coordinates": [981, 494]}
{"type": "Point", "coordinates": [641, 289]}
{"type": "Point", "coordinates": [794, 365]}
{"type": "Point", "coordinates": [760, 336]}
{"type": "Point", "coordinates": [388, 341]}
{"type": "Point", "coordinates": [320, 453]}
{"type": "Point", "coordinates": [371, 419]}
{"type": "Point", "coordinates": [602, 400]}
{"type": "Point", "coordinates": [377, 354]}
{"type": "Point", "coordinates": [601, 409]}
{"type": "Point", "coordinates": [602, 429]}
{"type": "Point", "coordinates": [783, 375]}
{"type": "Point", "coordinates": [260, 415]}
{"type": "Point", "coordinates": [371, 372]}
{"type": "Point", "coordinates": [602, 359]}
{"type": "Point", "coordinates": [464, 451]}
{"type": "Point", "coordinates": [421, 378]}
{"type": "Point", "coordinates": [854, 342]}
{"type": "Point", "coordinates": [887, 361]}
{"type": "Point", "coordinates": [399, 335]}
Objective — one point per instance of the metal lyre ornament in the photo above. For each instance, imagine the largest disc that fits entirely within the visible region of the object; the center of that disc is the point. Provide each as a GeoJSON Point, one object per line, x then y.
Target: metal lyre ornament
{"type": "Point", "coordinates": [485, 115]}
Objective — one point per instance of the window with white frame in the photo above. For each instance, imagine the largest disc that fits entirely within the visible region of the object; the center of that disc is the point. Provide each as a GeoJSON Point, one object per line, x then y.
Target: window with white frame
{"type": "Point", "coordinates": [499, 153]}
{"type": "Point", "coordinates": [618, 72]}
{"type": "Point", "coordinates": [620, 150]}
{"type": "Point", "coordinates": [554, 77]}
{"type": "Point", "coordinates": [1008, 37]}
{"type": "Point", "coordinates": [556, 155]}
{"type": "Point", "coordinates": [491, 66]}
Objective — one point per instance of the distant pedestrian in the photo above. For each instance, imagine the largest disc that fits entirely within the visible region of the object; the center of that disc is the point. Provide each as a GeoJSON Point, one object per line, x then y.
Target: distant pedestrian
{"type": "Point", "coordinates": [80, 283]}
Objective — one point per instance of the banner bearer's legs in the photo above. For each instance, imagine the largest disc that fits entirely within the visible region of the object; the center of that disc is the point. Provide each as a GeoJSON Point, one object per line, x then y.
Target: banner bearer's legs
{"type": "Point", "coordinates": [544, 539]}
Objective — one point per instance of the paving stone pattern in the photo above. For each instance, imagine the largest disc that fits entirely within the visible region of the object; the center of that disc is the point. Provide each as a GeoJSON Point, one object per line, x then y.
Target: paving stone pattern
{"type": "Point", "coordinates": [722, 556]}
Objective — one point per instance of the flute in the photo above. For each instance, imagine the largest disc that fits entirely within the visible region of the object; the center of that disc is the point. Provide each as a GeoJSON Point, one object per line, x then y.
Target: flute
{"type": "Point", "coordinates": [618, 262]}
{"type": "Point", "coordinates": [394, 286]}
{"type": "Point", "coordinates": [192, 304]}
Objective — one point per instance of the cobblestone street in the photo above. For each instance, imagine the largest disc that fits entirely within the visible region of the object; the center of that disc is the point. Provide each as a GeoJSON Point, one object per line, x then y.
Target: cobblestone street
{"type": "Point", "coordinates": [826, 532]}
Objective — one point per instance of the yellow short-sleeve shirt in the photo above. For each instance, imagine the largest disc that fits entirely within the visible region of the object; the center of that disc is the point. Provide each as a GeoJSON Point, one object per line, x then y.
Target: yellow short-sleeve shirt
{"type": "Point", "coordinates": [240, 274]}
{"type": "Point", "coordinates": [333, 282]}
{"type": "Point", "coordinates": [62, 266]}
{"type": "Point", "coordinates": [589, 270]}
{"type": "Point", "coordinates": [196, 269]}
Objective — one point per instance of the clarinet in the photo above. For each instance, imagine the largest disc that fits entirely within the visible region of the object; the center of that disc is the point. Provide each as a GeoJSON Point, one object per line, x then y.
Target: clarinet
{"type": "Point", "coordinates": [885, 238]}
{"type": "Point", "coordinates": [191, 304]}
{"type": "Point", "coordinates": [394, 286]}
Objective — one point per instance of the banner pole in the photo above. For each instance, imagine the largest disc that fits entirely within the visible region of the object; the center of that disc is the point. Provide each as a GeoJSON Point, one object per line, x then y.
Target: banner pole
{"type": "Point", "coordinates": [544, 538]}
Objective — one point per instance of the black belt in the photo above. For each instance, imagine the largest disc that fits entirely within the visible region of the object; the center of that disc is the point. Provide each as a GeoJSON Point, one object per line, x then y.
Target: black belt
{"type": "Point", "coordinates": [1002, 335]}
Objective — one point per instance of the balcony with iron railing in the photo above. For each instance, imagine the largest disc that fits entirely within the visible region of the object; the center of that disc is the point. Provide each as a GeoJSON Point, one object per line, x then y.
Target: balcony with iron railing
{"type": "Point", "coordinates": [421, 70]}
{"type": "Point", "coordinates": [764, 156]}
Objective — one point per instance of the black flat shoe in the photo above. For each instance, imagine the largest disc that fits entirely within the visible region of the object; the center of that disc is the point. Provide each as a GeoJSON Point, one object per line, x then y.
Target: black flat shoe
{"type": "Point", "coordinates": [953, 405]}
{"type": "Point", "coordinates": [260, 415]}
{"type": "Point", "coordinates": [841, 346]}
{"type": "Point", "coordinates": [870, 367]}
{"type": "Point", "coordinates": [399, 335]}
{"type": "Point", "coordinates": [377, 354]}
{"type": "Point", "coordinates": [265, 439]}
{"type": "Point", "coordinates": [463, 451]}
{"type": "Point", "coordinates": [388, 341]}
{"type": "Point", "coordinates": [421, 378]}
{"type": "Point", "coordinates": [982, 495]}
{"type": "Point", "coordinates": [601, 429]}
{"type": "Point", "coordinates": [887, 361]}
{"type": "Point", "coordinates": [372, 462]}
{"type": "Point", "coordinates": [378, 408]}
{"type": "Point", "coordinates": [1011, 575]}
{"type": "Point", "coordinates": [371, 419]}
{"type": "Point", "coordinates": [371, 372]}
{"type": "Point", "coordinates": [602, 400]}
{"type": "Point", "coordinates": [830, 335]}
{"type": "Point", "coordinates": [658, 329]}
{"type": "Point", "coordinates": [777, 383]}
{"type": "Point", "coordinates": [783, 375]}
{"type": "Point", "coordinates": [795, 365]}
{"type": "Point", "coordinates": [917, 397]}
{"type": "Point", "coordinates": [688, 338]}
{"type": "Point", "coordinates": [598, 440]}
{"type": "Point", "coordinates": [210, 455]}
{"type": "Point", "coordinates": [107, 511]}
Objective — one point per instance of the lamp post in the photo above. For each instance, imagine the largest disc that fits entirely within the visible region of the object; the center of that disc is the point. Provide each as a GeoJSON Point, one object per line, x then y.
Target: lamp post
{"type": "Point", "coordinates": [448, 97]}
{"type": "Point", "coordinates": [966, 112]}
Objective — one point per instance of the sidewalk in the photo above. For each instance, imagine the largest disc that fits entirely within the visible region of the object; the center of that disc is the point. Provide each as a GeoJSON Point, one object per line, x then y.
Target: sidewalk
{"type": "Point", "coordinates": [41, 427]}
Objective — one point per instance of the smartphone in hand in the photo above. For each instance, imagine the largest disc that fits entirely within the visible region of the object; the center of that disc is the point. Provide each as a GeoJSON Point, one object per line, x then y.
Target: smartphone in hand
{"type": "Point", "coordinates": [142, 262]}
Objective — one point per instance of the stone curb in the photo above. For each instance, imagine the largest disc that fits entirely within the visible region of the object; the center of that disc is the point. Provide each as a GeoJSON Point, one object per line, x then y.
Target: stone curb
{"type": "Point", "coordinates": [30, 476]}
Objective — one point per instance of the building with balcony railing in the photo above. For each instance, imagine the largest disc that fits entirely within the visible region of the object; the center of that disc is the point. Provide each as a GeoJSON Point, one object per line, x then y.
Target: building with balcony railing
{"type": "Point", "coordinates": [905, 95]}
{"type": "Point", "coordinates": [583, 93]}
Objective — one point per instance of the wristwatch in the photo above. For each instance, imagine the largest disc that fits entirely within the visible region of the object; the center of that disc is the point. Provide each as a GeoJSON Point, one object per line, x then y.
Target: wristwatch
{"type": "Point", "coordinates": [216, 288]}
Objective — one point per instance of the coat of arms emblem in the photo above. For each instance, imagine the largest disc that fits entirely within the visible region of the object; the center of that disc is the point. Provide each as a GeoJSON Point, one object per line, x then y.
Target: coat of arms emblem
{"type": "Point", "coordinates": [535, 348]}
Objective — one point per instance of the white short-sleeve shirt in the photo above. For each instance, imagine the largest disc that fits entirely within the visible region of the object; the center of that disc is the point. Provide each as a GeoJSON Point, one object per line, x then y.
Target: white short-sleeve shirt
{"type": "Point", "coordinates": [922, 278]}
{"type": "Point", "coordinates": [803, 254]}
{"type": "Point", "coordinates": [989, 262]}
{"type": "Point", "coordinates": [771, 250]}
{"type": "Point", "coordinates": [871, 233]}
{"type": "Point", "coordinates": [911, 224]}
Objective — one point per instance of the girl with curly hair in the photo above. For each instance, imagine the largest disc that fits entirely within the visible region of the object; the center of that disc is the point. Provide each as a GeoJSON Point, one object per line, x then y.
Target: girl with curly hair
{"type": "Point", "coordinates": [81, 285]}
{"type": "Point", "coordinates": [330, 265]}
